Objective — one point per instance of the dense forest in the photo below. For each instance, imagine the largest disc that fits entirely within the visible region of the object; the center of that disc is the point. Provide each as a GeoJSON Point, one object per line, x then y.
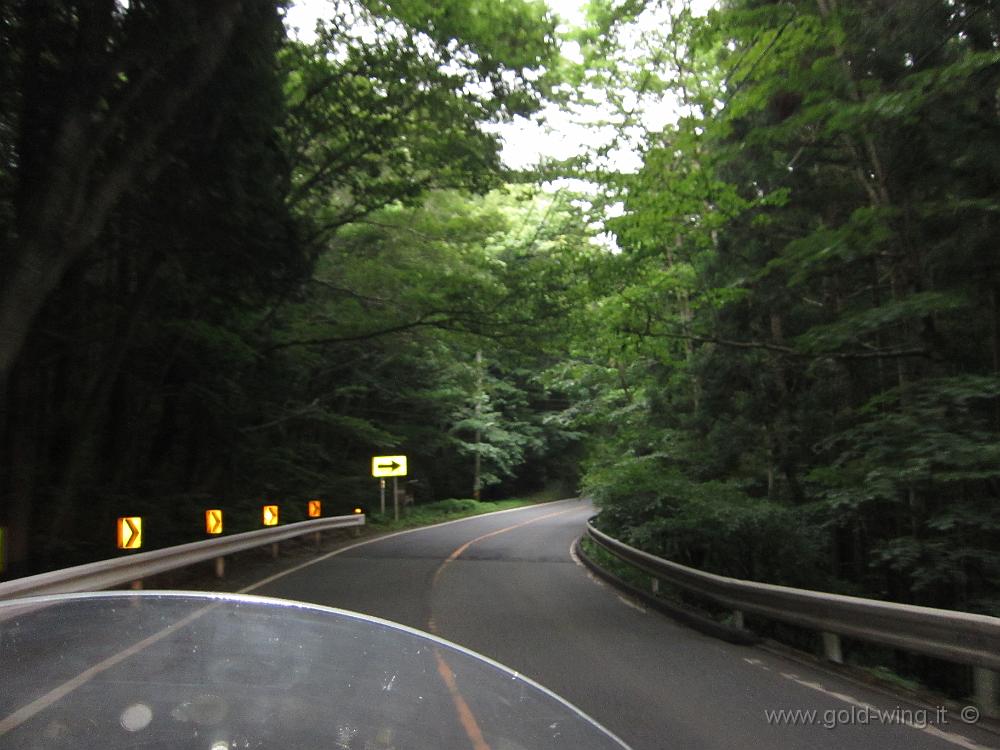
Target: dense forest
{"type": "Point", "coordinates": [235, 265]}
{"type": "Point", "coordinates": [803, 329]}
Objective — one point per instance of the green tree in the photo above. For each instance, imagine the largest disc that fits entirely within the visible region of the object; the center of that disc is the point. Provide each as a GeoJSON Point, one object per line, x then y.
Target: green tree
{"type": "Point", "coordinates": [101, 87]}
{"type": "Point", "coordinates": [792, 313]}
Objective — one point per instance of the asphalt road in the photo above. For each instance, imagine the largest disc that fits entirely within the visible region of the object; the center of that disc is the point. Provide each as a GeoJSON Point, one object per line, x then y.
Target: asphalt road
{"type": "Point", "coordinates": [506, 585]}
{"type": "Point", "coordinates": [180, 672]}
{"type": "Point", "coordinates": [206, 676]}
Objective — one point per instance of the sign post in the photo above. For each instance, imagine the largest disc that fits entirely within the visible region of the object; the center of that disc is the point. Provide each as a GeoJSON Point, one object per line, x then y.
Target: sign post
{"type": "Point", "coordinates": [389, 466]}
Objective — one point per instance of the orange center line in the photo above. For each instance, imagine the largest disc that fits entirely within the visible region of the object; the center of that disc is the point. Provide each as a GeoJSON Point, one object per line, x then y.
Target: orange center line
{"type": "Point", "coordinates": [465, 715]}
{"type": "Point", "coordinates": [462, 548]}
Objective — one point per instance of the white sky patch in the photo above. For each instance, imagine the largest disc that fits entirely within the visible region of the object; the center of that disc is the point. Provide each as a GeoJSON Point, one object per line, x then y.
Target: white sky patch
{"type": "Point", "coordinates": [300, 19]}
{"type": "Point", "coordinates": [554, 133]}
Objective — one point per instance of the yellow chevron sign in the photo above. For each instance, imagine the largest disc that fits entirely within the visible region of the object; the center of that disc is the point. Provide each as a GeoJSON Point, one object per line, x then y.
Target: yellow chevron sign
{"type": "Point", "coordinates": [315, 509]}
{"type": "Point", "coordinates": [130, 532]}
{"type": "Point", "coordinates": [270, 515]}
{"type": "Point", "coordinates": [389, 466]}
{"type": "Point", "coordinates": [213, 521]}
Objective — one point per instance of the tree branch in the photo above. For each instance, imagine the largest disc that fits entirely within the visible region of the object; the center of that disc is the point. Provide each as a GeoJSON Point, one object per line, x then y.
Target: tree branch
{"type": "Point", "coordinates": [421, 322]}
{"type": "Point", "coordinates": [873, 354]}
{"type": "Point", "coordinates": [348, 292]}
{"type": "Point", "coordinates": [309, 409]}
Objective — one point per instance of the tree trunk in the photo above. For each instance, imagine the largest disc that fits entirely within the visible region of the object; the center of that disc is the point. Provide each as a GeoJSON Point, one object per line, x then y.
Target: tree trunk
{"type": "Point", "coordinates": [24, 290]}
{"type": "Point", "coordinates": [995, 297]}
{"type": "Point", "coordinates": [95, 153]}
{"type": "Point", "coordinates": [95, 407]}
{"type": "Point", "coordinates": [22, 446]}
{"type": "Point", "coordinates": [477, 481]}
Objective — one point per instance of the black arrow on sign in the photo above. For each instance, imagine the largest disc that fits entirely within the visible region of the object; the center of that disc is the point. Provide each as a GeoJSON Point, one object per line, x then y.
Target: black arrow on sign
{"type": "Point", "coordinates": [392, 467]}
{"type": "Point", "coordinates": [133, 532]}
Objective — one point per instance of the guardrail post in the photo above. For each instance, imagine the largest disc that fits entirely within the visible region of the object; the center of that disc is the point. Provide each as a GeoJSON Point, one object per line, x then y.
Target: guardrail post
{"type": "Point", "coordinates": [986, 684]}
{"type": "Point", "coordinates": [654, 584]}
{"type": "Point", "coordinates": [220, 567]}
{"type": "Point", "coordinates": [317, 540]}
{"type": "Point", "coordinates": [831, 648]}
{"type": "Point", "coordinates": [274, 550]}
{"type": "Point", "coordinates": [738, 619]}
{"type": "Point", "coordinates": [962, 637]}
{"type": "Point", "coordinates": [120, 572]}
{"type": "Point", "coordinates": [136, 585]}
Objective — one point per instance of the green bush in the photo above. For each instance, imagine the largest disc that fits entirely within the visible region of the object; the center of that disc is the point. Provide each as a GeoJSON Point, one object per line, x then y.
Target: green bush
{"type": "Point", "coordinates": [452, 505]}
{"type": "Point", "coordinates": [714, 526]}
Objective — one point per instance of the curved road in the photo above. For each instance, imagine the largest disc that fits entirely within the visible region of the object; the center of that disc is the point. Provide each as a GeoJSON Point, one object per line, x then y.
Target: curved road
{"type": "Point", "coordinates": [506, 585]}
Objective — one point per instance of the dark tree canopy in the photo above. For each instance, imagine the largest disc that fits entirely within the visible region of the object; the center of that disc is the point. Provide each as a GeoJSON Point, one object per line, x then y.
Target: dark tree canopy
{"type": "Point", "coordinates": [236, 265]}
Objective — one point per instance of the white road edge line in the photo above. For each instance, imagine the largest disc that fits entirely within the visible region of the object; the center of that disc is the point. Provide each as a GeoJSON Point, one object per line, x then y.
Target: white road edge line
{"type": "Point", "coordinates": [950, 737]}
{"type": "Point", "coordinates": [590, 574]}
{"type": "Point", "coordinates": [23, 714]}
{"type": "Point", "coordinates": [26, 712]}
{"type": "Point", "coordinates": [328, 555]}
{"type": "Point", "coordinates": [630, 603]}
{"type": "Point", "coordinates": [588, 571]}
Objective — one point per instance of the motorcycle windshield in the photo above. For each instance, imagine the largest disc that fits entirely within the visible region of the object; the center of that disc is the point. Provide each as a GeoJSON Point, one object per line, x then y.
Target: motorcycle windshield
{"type": "Point", "coordinates": [227, 672]}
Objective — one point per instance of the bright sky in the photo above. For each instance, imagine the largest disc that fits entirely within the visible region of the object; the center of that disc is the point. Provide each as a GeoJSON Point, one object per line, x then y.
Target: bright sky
{"type": "Point", "coordinates": [562, 135]}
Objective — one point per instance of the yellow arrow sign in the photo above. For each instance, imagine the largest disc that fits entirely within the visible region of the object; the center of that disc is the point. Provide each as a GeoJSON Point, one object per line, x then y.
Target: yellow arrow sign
{"type": "Point", "coordinates": [270, 515]}
{"type": "Point", "coordinates": [130, 532]}
{"type": "Point", "coordinates": [315, 509]}
{"type": "Point", "coordinates": [213, 521]}
{"type": "Point", "coordinates": [389, 466]}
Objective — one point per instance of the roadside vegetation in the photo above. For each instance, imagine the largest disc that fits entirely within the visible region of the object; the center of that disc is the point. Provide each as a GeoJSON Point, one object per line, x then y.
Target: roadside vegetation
{"type": "Point", "coordinates": [451, 509]}
{"type": "Point", "coordinates": [235, 266]}
{"type": "Point", "coordinates": [800, 379]}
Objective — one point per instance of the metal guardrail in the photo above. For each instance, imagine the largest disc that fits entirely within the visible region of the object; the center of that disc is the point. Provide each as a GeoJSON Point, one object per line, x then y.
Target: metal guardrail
{"type": "Point", "coordinates": [954, 636]}
{"type": "Point", "coordinates": [121, 570]}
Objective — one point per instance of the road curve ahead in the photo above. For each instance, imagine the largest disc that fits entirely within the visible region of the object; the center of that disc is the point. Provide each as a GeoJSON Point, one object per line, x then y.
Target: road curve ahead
{"type": "Point", "coordinates": [506, 585]}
